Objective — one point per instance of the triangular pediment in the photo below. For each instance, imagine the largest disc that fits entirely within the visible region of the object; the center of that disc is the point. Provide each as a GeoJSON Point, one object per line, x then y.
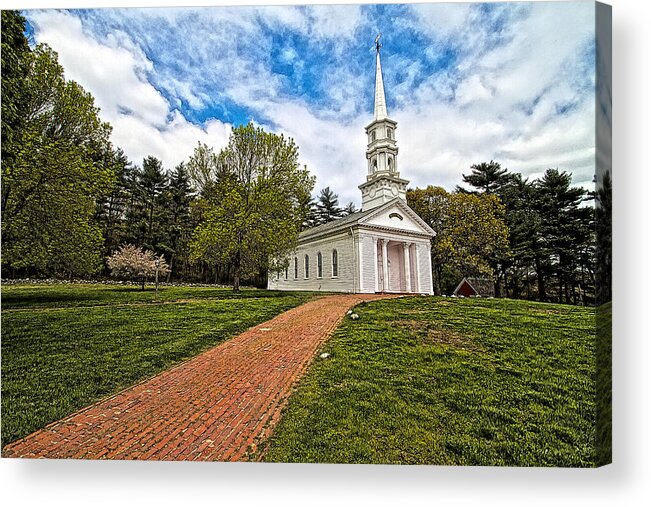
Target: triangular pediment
{"type": "Point", "coordinates": [397, 215]}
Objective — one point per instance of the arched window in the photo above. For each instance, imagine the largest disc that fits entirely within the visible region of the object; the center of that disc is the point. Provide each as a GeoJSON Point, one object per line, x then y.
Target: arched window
{"type": "Point", "coordinates": [389, 133]}
{"type": "Point", "coordinates": [372, 135]}
{"type": "Point", "coordinates": [390, 163]}
{"type": "Point", "coordinates": [335, 263]}
{"type": "Point", "coordinates": [295, 267]}
{"type": "Point", "coordinates": [307, 266]}
{"type": "Point", "coordinates": [375, 164]}
{"type": "Point", "coordinates": [319, 265]}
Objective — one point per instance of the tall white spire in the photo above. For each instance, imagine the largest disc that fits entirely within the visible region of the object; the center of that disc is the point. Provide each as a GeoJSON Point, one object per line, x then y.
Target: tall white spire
{"type": "Point", "coordinates": [383, 182]}
{"type": "Point", "coordinates": [380, 101]}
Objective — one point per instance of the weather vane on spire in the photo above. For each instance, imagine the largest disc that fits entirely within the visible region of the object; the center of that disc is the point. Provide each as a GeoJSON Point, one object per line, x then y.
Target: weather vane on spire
{"type": "Point", "coordinates": [378, 44]}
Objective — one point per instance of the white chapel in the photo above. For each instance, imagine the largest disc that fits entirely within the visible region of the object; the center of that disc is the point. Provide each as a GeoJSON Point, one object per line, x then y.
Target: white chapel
{"type": "Point", "coordinates": [385, 247]}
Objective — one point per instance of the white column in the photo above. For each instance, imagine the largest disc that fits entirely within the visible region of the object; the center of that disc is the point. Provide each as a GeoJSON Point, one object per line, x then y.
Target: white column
{"type": "Point", "coordinates": [375, 268]}
{"type": "Point", "coordinates": [385, 266]}
{"type": "Point", "coordinates": [360, 256]}
{"type": "Point", "coordinates": [417, 270]}
{"type": "Point", "coordinates": [405, 249]}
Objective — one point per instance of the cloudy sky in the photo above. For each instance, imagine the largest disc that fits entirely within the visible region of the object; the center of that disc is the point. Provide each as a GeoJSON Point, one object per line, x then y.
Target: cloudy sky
{"type": "Point", "coordinates": [512, 82]}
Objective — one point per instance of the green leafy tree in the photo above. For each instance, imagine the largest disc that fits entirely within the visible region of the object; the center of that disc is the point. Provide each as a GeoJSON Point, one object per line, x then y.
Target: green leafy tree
{"type": "Point", "coordinates": [470, 230]}
{"type": "Point", "coordinates": [15, 55]}
{"type": "Point", "coordinates": [252, 214]}
{"type": "Point", "coordinates": [491, 178]}
{"type": "Point", "coordinates": [54, 166]}
{"type": "Point", "coordinates": [202, 168]}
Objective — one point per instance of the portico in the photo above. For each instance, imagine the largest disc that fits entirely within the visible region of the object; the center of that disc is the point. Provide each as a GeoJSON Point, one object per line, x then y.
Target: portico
{"type": "Point", "coordinates": [397, 266]}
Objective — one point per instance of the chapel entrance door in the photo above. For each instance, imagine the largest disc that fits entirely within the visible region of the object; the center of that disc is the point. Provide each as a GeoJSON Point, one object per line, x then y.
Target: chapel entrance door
{"type": "Point", "coordinates": [395, 266]}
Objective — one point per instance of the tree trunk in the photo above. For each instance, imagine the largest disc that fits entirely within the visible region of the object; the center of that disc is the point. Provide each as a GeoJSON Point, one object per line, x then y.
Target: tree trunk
{"type": "Point", "coordinates": [169, 273]}
{"type": "Point", "coordinates": [542, 296]}
{"type": "Point", "coordinates": [506, 284]}
{"type": "Point", "coordinates": [437, 275]}
{"type": "Point", "coordinates": [496, 285]}
{"type": "Point", "coordinates": [236, 272]}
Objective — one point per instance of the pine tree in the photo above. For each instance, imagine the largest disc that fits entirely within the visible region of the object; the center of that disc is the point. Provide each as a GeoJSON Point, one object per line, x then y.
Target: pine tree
{"type": "Point", "coordinates": [308, 212]}
{"type": "Point", "coordinates": [604, 233]}
{"type": "Point", "coordinates": [523, 223]}
{"type": "Point", "coordinates": [152, 182]}
{"type": "Point", "coordinates": [565, 229]}
{"type": "Point", "coordinates": [349, 209]}
{"type": "Point", "coordinates": [487, 177]}
{"type": "Point", "coordinates": [179, 224]}
{"type": "Point", "coordinates": [327, 206]}
{"type": "Point", "coordinates": [111, 210]}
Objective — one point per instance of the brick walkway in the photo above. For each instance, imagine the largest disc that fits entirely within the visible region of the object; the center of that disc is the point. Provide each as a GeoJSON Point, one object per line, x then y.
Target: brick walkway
{"type": "Point", "coordinates": [215, 407]}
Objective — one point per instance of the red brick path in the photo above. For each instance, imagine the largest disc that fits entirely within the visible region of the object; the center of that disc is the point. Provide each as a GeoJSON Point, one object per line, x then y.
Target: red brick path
{"type": "Point", "coordinates": [217, 406]}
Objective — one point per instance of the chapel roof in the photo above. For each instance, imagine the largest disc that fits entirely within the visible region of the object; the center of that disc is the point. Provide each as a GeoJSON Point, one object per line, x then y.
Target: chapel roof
{"type": "Point", "coordinates": [347, 221]}
{"type": "Point", "coordinates": [360, 216]}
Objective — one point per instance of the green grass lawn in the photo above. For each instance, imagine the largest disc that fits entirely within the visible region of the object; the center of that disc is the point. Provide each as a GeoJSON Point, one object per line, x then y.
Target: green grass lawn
{"type": "Point", "coordinates": [66, 346]}
{"type": "Point", "coordinates": [446, 381]}
{"type": "Point", "coordinates": [80, 295]}
{"type": "Point", "coordinates": [604, 383]}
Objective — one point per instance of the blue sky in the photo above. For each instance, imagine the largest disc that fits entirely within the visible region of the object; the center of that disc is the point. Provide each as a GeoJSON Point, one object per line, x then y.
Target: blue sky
{"type": "Point", "coordinates": [512, 82]}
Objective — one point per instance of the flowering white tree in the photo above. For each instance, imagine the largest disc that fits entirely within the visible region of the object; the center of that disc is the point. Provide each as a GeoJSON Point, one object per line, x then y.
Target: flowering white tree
{"type": "Point", "coordinates": [136, 264]}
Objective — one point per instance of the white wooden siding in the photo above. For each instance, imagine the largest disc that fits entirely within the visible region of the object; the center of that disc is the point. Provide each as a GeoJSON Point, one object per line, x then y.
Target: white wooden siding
{"type": "Point", "coordinates": [344, 282]}
{"type": "Point", "coordinates": [358, 263]}
{"type": "Point", "coordinates": [425, 267]}
{"type": "Point", "coordinates": [367, 264]}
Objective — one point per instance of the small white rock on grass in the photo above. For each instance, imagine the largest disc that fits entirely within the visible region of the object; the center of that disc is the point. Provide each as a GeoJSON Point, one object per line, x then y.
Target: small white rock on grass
{"type": "Point", "coordinates": [354, 316]}
{"type": "Point", "coordinates": [349, 312]}
{"type": "Point", "coordinates": [325, 355]}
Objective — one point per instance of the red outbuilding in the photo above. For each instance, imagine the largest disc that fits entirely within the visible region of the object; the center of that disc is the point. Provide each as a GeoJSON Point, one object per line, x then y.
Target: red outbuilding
{"type": "Point", "coordinates": [475, 287]}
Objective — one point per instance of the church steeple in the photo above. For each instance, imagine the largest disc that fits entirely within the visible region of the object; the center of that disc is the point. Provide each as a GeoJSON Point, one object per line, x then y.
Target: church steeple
{"type": "Point", "coordinates": [380, 101]}
{"type": "Point", "coordinates": [383, 182]}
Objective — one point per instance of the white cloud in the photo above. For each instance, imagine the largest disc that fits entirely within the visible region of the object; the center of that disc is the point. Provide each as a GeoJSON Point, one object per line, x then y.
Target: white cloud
{"type": "Point", "coordinates": [334, 21]}
{"type": "Point", "coordinates": [114, 71]}
{"type": "Point", "coordinates": [511, 93]}
{"type": "Point", "coordinates": [443, 20]}
{"type": "Point", "coordinates": [471, 90]}
{"type": "Point", "coordinates": [514, 94]}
